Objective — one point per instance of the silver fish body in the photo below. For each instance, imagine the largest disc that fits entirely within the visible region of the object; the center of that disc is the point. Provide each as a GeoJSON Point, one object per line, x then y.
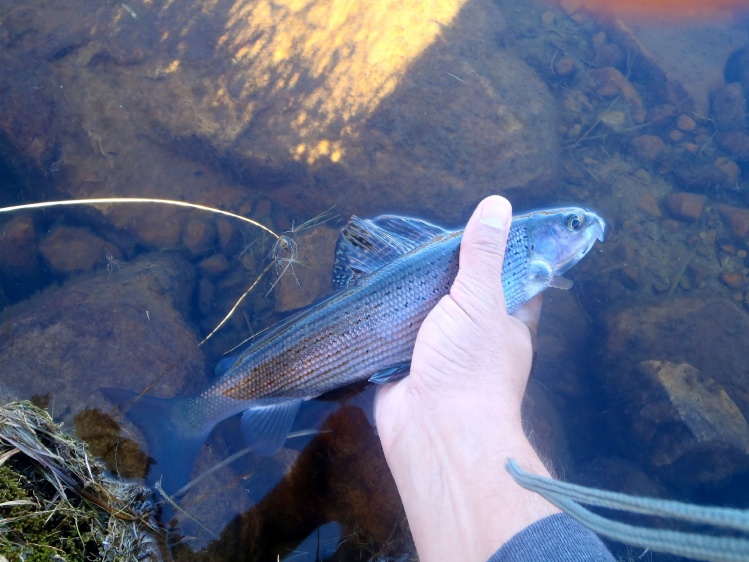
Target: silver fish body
{"type": "Point", "coordinates": [392, 271]}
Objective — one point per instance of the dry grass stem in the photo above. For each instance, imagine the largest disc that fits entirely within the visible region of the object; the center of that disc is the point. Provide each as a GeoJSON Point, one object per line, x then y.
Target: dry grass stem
{"type": "Point", "coordinates": [58, 484]}
{"type": "Point", "coordinates": [115, 200]}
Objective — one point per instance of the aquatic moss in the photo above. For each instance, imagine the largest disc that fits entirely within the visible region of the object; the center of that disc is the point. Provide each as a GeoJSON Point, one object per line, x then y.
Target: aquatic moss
{"type": "Point", "coordinates": [58, 503]}
{"type": "Point", "coordinates": [30, 532]}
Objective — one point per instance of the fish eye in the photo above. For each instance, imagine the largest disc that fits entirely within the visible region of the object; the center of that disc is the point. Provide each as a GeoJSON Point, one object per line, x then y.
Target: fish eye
{"type": "Point", "coordinates": [574, 221]}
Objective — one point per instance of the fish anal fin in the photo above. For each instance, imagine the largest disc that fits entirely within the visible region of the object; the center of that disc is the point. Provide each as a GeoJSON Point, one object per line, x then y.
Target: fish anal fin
{"type": "Point", "coordinates": [266, 426]}
{"type": "Point", "coordinates": [391, 374]}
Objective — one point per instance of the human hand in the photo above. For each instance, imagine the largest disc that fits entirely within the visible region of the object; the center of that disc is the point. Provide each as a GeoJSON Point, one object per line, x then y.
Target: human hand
{"type": "Point", "coordinates": [448, 428]}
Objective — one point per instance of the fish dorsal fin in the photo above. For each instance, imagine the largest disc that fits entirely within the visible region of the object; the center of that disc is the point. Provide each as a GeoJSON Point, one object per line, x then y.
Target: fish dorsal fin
{"type": "Point", "coordinates": [366, 245]}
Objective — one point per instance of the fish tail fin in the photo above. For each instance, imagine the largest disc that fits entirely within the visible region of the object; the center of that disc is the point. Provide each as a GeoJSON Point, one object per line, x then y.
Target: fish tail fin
{"type": "Point", "coordinates": [172, 443]}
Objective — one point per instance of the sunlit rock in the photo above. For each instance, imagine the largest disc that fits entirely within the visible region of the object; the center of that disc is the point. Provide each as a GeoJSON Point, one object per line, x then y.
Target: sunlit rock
{"type": "Point", "coordinates": [375, 106]}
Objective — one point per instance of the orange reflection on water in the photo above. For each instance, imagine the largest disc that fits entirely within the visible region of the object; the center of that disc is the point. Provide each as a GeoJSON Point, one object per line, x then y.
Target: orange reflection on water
{"type": "Point", "coordinates": [666, 10]}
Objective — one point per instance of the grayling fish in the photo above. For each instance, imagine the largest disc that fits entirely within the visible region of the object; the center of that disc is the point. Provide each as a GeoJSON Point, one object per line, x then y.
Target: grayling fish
{"type": "Point", "coordinates": [390, 272]}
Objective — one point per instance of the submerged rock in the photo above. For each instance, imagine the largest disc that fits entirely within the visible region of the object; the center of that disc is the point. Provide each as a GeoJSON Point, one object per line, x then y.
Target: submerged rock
{"type": "Point", "coordinates": [18, 255]}
{"type": "Point", "coordinates": [683, 63]}
{"type": "Point", "coordinates": [689, 424]}
{"type": "Point", "coordinates": [738, 219]}
{"type": "Point", "coordinates": [68, 249]}
{"type": "Point", "coordinates": [677, 373]}
{"type": "Point", "coordinates": [121, 330]}
{"type": "Point", "coordinates": [307, 278]}
{"type": "Point", "coordinates": [729, 107]}
{"type": "Point", "coordinates": [685, 206]}
{"type": "Point", "coordinates": [648, 147]}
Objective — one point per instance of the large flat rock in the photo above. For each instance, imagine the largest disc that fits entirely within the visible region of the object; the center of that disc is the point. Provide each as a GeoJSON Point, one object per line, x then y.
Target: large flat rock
{"type": "Point", "coordinates": [369, 106]}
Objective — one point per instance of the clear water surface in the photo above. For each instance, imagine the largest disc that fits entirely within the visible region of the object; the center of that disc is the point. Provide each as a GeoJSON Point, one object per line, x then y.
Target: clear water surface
{"type": "Point", "coordinates": [281, 111]}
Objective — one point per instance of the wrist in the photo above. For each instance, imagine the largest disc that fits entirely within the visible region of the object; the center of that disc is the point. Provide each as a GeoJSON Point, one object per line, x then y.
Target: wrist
{"type": "Point", "coordinates": [460, 501]}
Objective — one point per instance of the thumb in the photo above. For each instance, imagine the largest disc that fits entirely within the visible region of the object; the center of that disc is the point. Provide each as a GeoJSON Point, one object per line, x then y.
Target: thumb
{"type": "Point", "coordinates": [477, 288]}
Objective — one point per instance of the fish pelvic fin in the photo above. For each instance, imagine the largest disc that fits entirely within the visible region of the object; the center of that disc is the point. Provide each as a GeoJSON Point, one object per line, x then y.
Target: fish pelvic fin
{"type": "Point", "coordinates": [172, 443]}
{"type": "Point", "coordinates": [265, 427]}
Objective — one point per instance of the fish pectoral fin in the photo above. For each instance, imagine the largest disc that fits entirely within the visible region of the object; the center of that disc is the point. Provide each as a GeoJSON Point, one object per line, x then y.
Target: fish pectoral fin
{"type": "Point", "coordinates": [560, 282]}
{"type": "Point", "coordinates": [541, 275]}
{"type": "Point", "coordinates": [266, 426]}
{"type": "Point", "coordinates": [391, 374]}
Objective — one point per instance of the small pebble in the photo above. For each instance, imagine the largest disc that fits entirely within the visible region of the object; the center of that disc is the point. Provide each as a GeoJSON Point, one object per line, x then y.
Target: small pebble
{"type": "Point", "coordinates": [564, 66]}
{"type": "Point", "coordinates": [648, 147]}
{"type": "Point", "coordinates": [732, 279]}
{"type": "Point", "coordinates": [574, 131]}
{"type": "Point", "coordinates": [687, 206]}
{"type": "Point", "coordinates": [548, 19]}
{"type": "Point", "coordinates": [685, 123]}
{"type": "Point", "coordinates": [738, 219]}
{"type": "Point", "coordinates": [214, 265]}
{"type": "Point", "coordinates": [199, 236]}
{"type": "Point", "coordinates": [643, 176]}
{"type": "Point", "coordinates": [730, 169]}
{"type": "Point", "coordinates": [614, 119]}
{"type": "Point", "coordinates": [702, 139]}
{"type": "Point", "coordinates": [649, 205]}
{"type": "Point", "coordinates": [676, 135]}
{"type": "Point", "coordinates": [741, 253]}
{"type": "Point", "coordinates": [660, 286]}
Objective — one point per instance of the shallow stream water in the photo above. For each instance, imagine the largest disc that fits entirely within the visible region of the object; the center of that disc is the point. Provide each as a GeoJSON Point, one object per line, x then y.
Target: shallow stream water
{"type": "Point", "coordinates": [281, 111]}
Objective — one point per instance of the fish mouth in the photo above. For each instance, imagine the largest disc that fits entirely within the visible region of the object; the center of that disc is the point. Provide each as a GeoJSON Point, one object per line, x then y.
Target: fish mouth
{"type": "Point", "coordinates": [600, 227]}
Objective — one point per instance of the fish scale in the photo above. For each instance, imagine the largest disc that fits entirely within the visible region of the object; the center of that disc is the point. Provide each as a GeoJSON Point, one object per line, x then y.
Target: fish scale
{"type": "Point", "coordinates": [391, 305]}
{"type": "Point", "coordinates": [391, 272]}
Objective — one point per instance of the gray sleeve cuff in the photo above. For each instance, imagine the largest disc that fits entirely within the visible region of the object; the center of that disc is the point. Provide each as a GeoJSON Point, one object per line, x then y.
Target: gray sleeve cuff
{"type": "Point", "coordinates": [557, 538]}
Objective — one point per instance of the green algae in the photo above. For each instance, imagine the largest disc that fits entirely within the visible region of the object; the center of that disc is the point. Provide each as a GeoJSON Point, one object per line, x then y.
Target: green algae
{"type": "Point", "coordinates": [59, 503]}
